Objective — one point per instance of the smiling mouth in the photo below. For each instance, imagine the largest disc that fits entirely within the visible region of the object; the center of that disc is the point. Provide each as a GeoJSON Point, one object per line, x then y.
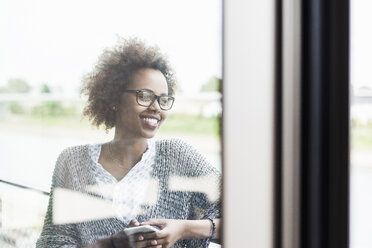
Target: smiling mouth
{"type": "Point", "coordinates": [151, 123]}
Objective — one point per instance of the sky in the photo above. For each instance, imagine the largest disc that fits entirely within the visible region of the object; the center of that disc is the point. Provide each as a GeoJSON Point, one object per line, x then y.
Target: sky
{"type": "Point", "coordinates": [57, 42]}
{"type": "Point", "coordinates": [360, 43]}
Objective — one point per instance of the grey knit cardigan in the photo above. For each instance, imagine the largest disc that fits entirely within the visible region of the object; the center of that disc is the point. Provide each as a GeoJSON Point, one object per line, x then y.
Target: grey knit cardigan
{"type": "Point", "coordinates": [174, 158]}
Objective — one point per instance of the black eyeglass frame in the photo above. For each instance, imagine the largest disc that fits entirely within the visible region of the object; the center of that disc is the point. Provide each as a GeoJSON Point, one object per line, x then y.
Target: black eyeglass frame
{"type": "Point", "coordinates": [156, 97]}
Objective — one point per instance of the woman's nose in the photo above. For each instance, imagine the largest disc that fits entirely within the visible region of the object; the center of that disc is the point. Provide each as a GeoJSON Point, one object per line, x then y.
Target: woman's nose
{"type": "Point", "coordinates": [155, 106]}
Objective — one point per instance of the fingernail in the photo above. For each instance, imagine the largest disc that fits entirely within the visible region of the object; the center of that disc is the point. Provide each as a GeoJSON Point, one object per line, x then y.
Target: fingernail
{"type": "Point", "coordinates": [154, 242]}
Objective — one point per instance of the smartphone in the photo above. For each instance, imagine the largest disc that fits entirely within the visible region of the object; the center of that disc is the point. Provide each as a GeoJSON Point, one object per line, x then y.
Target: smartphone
{"type": "Point", "coordinates": [140, 229]}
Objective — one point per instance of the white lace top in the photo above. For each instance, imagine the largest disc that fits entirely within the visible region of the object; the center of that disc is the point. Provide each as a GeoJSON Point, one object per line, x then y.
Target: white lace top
{"type": "Point", "coordinates": [128, 194]}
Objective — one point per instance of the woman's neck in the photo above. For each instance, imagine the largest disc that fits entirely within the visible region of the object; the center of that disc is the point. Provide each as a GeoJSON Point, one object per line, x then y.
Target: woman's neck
{"type": "Point", "coordinates": [127, 151]}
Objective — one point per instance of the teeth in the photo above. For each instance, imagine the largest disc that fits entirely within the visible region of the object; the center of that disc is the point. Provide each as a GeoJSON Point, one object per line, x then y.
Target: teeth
{"type": "Point", "coordinates": [151, 120]}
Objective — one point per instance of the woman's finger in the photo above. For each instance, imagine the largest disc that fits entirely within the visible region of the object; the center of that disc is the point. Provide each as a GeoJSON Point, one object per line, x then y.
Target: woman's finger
{"type": "Point", "coordinates": [133, 223]}
{"type": "Point", "coordinates": [163, 242]}
{"type": "Point", "coordinates": [152, 235]}
{"type": "Point", "coordinates": [147, 243]}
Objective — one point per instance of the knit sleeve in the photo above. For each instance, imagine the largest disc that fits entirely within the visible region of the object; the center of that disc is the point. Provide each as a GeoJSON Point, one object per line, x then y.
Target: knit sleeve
{"type": "Point", "coordinates": [201, 180]}
{"type": "Point", "coordinates": [206, 203]}
{"type": "Point", "coordinates": [52, 235]}
{"type": "Point", "coordinates": [199, 177]}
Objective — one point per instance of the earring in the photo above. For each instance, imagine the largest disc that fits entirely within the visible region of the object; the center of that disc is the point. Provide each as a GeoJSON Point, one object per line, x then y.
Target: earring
{"type": "Point", "coordinates": [114, 108]}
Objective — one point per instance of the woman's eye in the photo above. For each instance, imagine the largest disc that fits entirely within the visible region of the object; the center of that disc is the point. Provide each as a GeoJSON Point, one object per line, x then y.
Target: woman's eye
{"type": "Point", "coordinates": [163, 100]}
{"type": "Point", "coordinates": [146, 97]}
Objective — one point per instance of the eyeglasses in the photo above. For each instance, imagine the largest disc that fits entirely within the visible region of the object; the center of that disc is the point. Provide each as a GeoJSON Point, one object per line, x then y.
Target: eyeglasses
{"type": "Point", "coordinates": [146, 98]}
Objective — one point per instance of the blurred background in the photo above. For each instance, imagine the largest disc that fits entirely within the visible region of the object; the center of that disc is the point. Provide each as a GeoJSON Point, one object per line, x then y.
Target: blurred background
{"type": "Point", "coordinates": [47, 47]}
{"type": "Point", "coordinates": [361, 124]}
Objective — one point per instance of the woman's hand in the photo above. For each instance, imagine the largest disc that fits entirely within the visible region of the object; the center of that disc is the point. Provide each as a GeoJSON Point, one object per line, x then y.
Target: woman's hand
{"type": "Point", "coordinates": [121, 239]}
{"type": "Point", "coordinates": [117, 240]}
{"type": "Point", "coordinates": [135, 241]}
{"type": "Point", "coordinates": [170, 232]}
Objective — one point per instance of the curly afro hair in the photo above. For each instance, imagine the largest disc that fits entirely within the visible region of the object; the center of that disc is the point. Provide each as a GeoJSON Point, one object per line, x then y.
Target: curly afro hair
{"type": "Point", "coordinates": [113, 72]}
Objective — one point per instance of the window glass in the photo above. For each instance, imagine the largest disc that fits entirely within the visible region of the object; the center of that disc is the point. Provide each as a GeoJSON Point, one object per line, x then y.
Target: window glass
{"type": "Point", "coordinates": [48, 47]}
{"type": "Point", "coordinates": [361, 124]}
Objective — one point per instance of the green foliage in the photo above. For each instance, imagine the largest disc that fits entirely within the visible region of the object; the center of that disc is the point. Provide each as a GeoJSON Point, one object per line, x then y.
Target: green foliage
{"type": "Point", "coordinates": [45, 89]}
{"type": "Point", "coordinates": [361, 136]}
{"type": "Point", "coordinates": [191, 124]}
{"type": "Point", "coordinates": [16, 85]}
{"type": "Point", "coordinates": [70, 111]}
{"type": "Point", "coordinates": [52, 109]}
{"type": "Point", "coordinates": [16, 108]}
{"type": "Point", "coordinates": [213, 84]}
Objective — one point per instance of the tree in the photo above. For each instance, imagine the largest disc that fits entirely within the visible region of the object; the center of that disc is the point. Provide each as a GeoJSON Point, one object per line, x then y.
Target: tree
{"type": "Point", "coordinates": [17, 85]}
{"type": "Point", "coordinates": [213, 84]}
{"type": "Point", "coordinates": [45, 88]}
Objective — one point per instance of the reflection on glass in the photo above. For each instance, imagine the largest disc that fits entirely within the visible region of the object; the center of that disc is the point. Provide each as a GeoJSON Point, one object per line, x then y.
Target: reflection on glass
{"type": "Point", "coordinates": [361, 124]}
{"type": "Point", "coordinates": [40, 112]}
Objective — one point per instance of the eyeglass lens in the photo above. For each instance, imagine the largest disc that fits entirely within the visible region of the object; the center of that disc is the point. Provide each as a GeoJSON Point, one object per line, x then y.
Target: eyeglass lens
{"type": "Point", "coordinates": [146, 98]}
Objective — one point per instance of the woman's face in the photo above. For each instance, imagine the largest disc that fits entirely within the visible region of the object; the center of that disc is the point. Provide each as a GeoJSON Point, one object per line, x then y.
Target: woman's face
{"type": "Point", "coordinates": [134, 120]}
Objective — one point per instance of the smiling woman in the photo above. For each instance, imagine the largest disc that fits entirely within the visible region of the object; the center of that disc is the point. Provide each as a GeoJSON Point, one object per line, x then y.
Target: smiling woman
{"type": "Point", "coordinates": [143, 181]}
{"type": "Point", "coordinates": [117, 71]}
